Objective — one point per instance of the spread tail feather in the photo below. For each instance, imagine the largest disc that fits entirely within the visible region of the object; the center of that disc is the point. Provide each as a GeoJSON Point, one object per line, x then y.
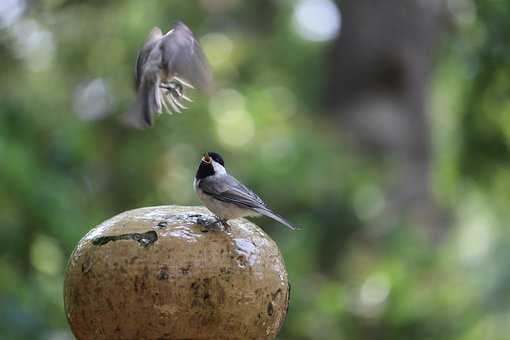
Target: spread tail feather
{"type": "Point", "coordinates": [148, 103]}
{"type": "Point", "coordinates": [150, 99]}
{"type": "Point", "coordinates": [276, 217]}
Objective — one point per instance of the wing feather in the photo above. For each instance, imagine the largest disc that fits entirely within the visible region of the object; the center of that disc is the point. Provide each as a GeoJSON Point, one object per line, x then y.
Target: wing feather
{"type": "Point", "coordinates": [226, 188]}
{"type": "Point", "coordinates": [143, 54]}
{"type": "Point", "coordinates": [183, 56]}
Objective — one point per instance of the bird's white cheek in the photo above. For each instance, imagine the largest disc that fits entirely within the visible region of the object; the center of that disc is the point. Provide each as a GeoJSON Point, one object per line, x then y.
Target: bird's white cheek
{"type": "Point", "coordinates": [218, 169]}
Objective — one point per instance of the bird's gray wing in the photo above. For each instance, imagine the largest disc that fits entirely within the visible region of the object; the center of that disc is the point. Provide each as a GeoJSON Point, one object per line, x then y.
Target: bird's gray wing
{"type": "Point", "coordinates": [228, 189]}
{"type": "Point", "coordinates": [143, 54]}
{"type": "Point", "coordinates": [148, 100]}
{"type": "Point", "coordinates": [183, 56]}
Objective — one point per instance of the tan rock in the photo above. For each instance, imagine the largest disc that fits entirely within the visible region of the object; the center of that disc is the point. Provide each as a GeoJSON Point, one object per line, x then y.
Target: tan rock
{"type": "Point", "coordinates": [153, 273]}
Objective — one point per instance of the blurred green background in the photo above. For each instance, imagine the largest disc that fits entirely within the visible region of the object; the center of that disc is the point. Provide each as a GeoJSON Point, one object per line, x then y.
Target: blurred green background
{"type": "Point", "coordinates": [382, 128]}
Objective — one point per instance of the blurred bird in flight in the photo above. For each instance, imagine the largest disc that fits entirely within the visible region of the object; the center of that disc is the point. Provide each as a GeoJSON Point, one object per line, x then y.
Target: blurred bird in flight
{"type": "Point", "coordinates": [167, 66]}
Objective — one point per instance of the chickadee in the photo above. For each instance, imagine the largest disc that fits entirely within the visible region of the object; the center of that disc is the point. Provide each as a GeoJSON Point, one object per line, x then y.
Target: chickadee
{"type": "Point", "coordinates": [165, 66]}
{"type": "Point", "coordinates": [225, 196]}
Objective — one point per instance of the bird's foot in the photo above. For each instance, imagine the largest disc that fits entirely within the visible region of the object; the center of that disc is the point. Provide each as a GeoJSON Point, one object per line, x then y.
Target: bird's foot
{"type": "Point", "coordinates": [173, 94]}
{"type": "Point", "coordinates": [226, 227]}
{"type": "Point", "coordinates": [207, 224]}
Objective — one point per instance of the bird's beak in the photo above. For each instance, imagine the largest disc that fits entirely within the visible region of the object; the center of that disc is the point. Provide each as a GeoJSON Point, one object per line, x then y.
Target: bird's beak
{"type": "Point", "coordinates": [206, 158]}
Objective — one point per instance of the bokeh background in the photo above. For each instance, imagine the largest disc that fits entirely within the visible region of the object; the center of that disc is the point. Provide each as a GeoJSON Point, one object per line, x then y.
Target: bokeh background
{"type": "Point", "coordinates": [382, 128]}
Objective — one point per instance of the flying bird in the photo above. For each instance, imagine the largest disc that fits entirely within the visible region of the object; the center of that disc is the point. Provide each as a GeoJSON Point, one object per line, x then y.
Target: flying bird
{"type": "Point", "coordinates": [225, 196]}
{"type": "Point", "coordinates": [166, 66]}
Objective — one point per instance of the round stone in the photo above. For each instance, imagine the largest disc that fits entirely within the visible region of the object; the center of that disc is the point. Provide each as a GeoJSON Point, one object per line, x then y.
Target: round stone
{"type": "Point", "coordinates": [157, 273]}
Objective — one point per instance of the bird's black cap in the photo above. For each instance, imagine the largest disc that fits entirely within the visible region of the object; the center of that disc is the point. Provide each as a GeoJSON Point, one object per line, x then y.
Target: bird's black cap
{"type": "Point", "coordinates": [216, 157]}
{"type": "Point", "coordinates": [206, 169]}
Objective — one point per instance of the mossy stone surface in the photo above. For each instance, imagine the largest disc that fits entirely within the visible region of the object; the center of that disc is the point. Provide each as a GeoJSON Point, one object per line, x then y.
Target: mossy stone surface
{"type": "Point", "coordinates": [154, 273]}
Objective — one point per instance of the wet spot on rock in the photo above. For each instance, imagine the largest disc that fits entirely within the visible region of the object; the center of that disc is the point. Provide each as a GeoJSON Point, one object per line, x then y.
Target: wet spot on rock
{"type": "Point", "coordinates": [163, 274]}
{"type": "Point", "coordinates": [287, 302]}
{"type": "Point", "coordinates": [207, 295]}
{"type": "Point", "coordinates": [288, 298]}
{"type": "Point", "coordinates": [162, 224]}
{"type": "Point", "coordinates": [86, 265]}
{"type": "Point", "coordinates": [226, 273]}
{"type": "Point", "coordinates": [241, 259]}
{"type": "Point", "coordinates": [135, 283]}
{"type": "Point", "coordinates": [143, 239]}
{"type": "Point", "coordinates": [185, 270]}
{"type": "Point", "coordinates": [270, 309]}
{"type": "Point", "coordinates": [139, 284]}
{"type": "Point", "coordinates": [275, 294]}
{"type": "Point", "coordinates": [201, 295]}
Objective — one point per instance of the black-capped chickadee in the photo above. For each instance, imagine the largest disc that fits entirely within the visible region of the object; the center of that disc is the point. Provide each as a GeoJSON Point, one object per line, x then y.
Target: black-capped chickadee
{"type": "Point", "coordinates": [225, 196]}
{"type": "Point", "coordinates": [165, 66]}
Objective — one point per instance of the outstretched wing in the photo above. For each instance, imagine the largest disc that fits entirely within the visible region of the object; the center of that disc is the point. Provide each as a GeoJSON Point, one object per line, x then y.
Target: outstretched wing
{"type": "Point", "coordinates": [226, 188]}
{"type": "Point", "coordinates": [152, 39]}
{"type": "Point", "coordinates": [183, 56]}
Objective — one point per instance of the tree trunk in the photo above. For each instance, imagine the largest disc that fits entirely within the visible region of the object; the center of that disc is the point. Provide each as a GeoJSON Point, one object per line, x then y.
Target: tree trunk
{"type": "Point", "coordinates": [377, 88]}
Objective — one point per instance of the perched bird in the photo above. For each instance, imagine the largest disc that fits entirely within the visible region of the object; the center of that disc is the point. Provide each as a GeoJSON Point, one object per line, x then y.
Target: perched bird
{"type": "Point", "coordinates": [166, 66]}
{"type": "Point", "coordinates": [225, 196]}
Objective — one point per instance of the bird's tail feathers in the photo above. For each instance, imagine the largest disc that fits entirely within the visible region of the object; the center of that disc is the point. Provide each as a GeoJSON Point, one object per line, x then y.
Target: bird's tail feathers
{"type": "Point", "coordinates": [276, 217]}
{"type": "Point", "coordinates": [148, 103]}
{"type": "Point", "coordinates": [151, 100]}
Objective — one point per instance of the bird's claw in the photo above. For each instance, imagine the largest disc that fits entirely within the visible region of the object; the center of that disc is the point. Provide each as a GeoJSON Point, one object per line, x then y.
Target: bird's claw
{"type": "Point", "coordinates": [183, 82]}
{"type": "Point", "coordinates": [207, 224]}
{"type": "Point", "coordinates": [173, 94]}
{"type": "Point", "coordinates": [226, 227]}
